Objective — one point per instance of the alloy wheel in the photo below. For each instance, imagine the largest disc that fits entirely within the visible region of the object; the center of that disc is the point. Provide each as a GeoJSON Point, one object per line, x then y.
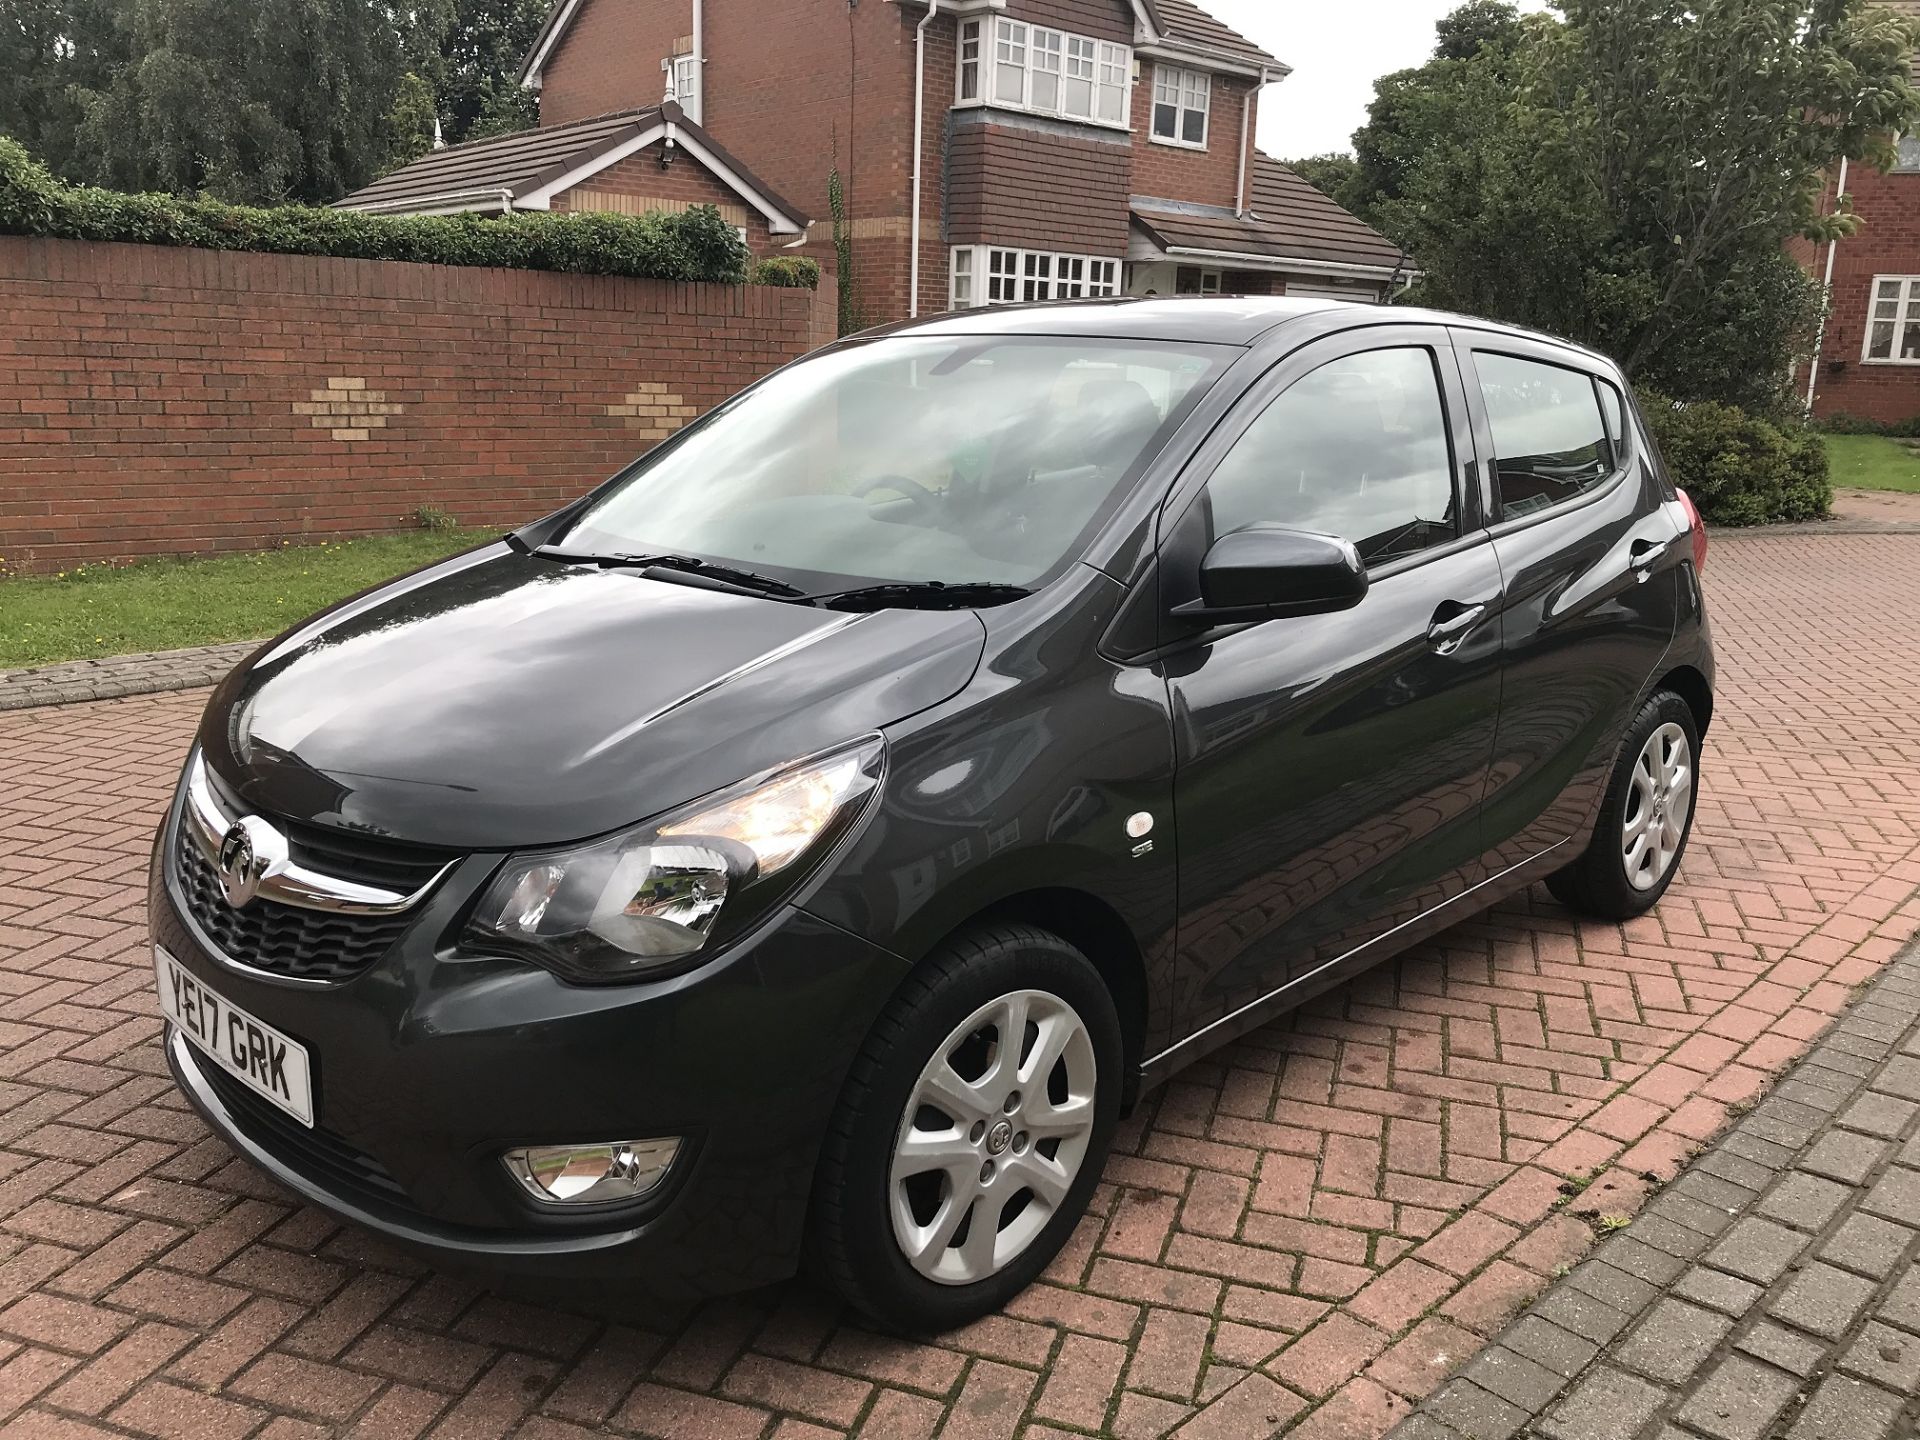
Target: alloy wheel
{"type": "Point", "coordinates": [1653, 822]}
{"type": "Point", "coordinates": [993, 1137]}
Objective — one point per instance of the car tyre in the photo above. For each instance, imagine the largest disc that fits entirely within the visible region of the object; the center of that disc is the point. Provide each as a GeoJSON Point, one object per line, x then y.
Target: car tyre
{"type": "Point", "coordinates": [1645, 819]}
{"type": "Point", "coordinates": [915, 1162]}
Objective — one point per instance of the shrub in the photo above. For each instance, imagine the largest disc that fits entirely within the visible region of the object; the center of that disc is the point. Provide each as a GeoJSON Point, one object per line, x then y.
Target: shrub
{"type": "Point", "coordinates": [792, 272]}
{"type": "Point", "coordinates": [694, 245]}
{"type": "Point", "coordinates": [1740, 469]}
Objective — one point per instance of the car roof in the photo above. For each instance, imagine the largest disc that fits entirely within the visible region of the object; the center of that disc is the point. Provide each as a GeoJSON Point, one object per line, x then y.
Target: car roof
{"type": "Point", "coordinates": [1242, 320]}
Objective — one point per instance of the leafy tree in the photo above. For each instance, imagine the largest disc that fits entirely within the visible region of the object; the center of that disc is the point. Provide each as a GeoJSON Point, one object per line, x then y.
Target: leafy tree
{"type": "Point", "coordinates": [1329, 174]}
{"type": "Point", "coordinates": [52, 49]}
{"type": "Point", "coordinates": [1630, 176]}
{"type": "Point", "coordinates": [267, 101]}
{"type": "Point", "coordinates": [1476, 26]}
{"type": "Point", "coordinates": [481, 49]}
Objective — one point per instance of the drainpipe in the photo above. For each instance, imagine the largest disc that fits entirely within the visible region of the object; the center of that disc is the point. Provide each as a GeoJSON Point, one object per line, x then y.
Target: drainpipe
{"type": "Point", "coordinates": [919, 153]}
{"type": "Point", "coordinates": [699, 63]}
{"type": "Point", "coordinates": [1246, 145]}
{"type": "Point", "coordinates": [1826, 299]}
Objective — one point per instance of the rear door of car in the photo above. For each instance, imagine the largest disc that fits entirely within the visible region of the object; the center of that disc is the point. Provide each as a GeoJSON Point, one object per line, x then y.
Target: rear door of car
{"type": "Point", "coordinates": [1329, 768]}
{"type": "Point", "coordinates": [1590, 557]}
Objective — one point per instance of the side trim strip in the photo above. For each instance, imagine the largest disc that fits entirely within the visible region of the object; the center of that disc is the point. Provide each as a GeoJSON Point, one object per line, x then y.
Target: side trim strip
{"type": "Point", "coordinates": [1423, 917]}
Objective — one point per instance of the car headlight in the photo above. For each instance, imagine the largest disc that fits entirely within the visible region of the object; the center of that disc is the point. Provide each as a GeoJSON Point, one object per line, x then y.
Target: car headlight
{"type": "Point", "coordinates": [642, 901]}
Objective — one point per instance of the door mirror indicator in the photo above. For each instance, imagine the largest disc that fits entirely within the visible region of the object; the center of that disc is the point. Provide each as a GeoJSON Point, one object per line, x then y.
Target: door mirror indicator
{"type": "Point", "coordinates": [1266, 571]}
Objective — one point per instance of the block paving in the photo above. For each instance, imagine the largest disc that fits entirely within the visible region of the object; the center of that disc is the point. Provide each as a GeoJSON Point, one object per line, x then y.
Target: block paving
{"type": "Point", "coordinates": [1310, 1232]}
{"type": "Point", "coordinates": [1772, 1290]}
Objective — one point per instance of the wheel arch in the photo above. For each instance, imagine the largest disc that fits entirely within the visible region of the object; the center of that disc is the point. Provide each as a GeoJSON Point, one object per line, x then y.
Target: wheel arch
{"type": "Point", "coordinates": [1691, 686]}
{"type": "Point", "coordinates": [1096, 930]}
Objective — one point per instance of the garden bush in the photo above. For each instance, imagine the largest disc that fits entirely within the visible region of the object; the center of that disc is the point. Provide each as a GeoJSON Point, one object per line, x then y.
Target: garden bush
{"type": "Point", "coordinates": [695, 245]}
{"type": "Point", "coordinates": [793, 272]}
{"type": "Point", "coordinates": [1741, 469]}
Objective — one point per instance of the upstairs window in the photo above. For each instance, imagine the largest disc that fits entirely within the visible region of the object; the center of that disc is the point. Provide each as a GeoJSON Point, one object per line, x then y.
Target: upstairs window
{"type": "Point", "coordinates": [1182, 100]}
{"type": "Point", "coordinates": [1893, 330]}
{"type": "Point", "coordinates": [1907, 155]}
{"type": "Point", "coordinates": [1032, 67]}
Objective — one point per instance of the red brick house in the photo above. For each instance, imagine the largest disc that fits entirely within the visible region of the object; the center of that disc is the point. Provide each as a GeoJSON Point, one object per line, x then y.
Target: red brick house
{"type": "Point", "coordinates": [1869, 360]}
{"type": "Point", "coordinates": [1065, 148]}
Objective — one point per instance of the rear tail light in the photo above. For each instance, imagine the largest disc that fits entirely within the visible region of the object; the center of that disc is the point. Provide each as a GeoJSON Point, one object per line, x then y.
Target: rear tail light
{"type": "Point", "coordinates": [1699, 528]}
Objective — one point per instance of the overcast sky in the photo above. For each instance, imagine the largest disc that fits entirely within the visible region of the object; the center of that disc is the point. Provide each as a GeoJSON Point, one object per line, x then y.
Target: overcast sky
{"type": "Point", "coordinates": [1337, 51]}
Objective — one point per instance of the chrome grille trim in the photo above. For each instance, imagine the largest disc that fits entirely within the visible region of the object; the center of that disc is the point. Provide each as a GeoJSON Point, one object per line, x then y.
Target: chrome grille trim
{"type": "Point", "coordinates": [285, 882]}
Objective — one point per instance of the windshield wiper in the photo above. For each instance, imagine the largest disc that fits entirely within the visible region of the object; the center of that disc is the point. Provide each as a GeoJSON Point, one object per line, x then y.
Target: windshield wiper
{"type": "Point", "coordinates": [921, 595]}
{"type": "Point", "coordinates": [722, 577]}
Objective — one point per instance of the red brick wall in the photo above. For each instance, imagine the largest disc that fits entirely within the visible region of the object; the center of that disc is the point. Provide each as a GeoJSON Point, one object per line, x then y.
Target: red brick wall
{"type": "Point", "coordinates": [160, 400]}
{"type": "Point", "coordinates": [1174, 172]}
{"type": "Point", "coordinates": [609, 59]}
{"type": "Point", "coordinates": [1013, 186]}
{"type": "Point", "coordinates": [1888, 243]}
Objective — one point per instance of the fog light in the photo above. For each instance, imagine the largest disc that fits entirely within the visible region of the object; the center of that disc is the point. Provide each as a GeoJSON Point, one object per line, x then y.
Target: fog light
{"type": "Point", "coordinates": [591, 1174]}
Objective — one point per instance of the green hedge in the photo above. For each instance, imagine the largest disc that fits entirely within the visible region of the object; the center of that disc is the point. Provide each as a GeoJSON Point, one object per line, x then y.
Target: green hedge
{"type": "Point", "coordinates": [694, 245]}
{"type": "Point", "coordinates": [1739, 468]}
{"type": "Point", "coordinates": [792, 272]}
{"type": "Point", "coordinates": [1844, 424]}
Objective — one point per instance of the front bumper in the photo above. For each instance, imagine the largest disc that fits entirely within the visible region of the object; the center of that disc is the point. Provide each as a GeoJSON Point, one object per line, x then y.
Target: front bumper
{"type": "Point", "coordinates": [429, 1064]}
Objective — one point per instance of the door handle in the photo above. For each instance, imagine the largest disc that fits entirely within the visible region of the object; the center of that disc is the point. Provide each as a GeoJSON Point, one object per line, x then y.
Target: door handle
{"type": "Point", "coordinates": [1452, 623]}
{"type": "Point", "coordinates": [1643, 555]}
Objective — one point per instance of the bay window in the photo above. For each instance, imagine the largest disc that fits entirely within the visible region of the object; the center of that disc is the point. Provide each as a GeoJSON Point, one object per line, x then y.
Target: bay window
{"type": "Point", "coordinates": [1182, 101]}
{"type": "Point", "coordinates": [1893, 328]}
{"type": "Point", "coordinates": [1015, 277]}
{"type": "Point", "coordinates": [1052, 72]}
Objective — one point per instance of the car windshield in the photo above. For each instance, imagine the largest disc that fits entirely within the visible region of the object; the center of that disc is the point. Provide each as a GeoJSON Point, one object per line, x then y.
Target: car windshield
{"type": "Point", "coordinates": [959, 459]}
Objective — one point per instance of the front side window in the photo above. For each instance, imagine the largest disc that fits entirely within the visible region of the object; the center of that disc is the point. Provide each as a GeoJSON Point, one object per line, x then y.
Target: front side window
{"type": "Point", "coordinates": [1907, 155]}
{"type": "Point", "coordinates": [1181, 102]}
{"type": "Point", "coordinates": [1051, 71]}
{"type": "Point", "coordinates": [1358, 449]}
{"type": "Point", "coordinates": [963, 458]}
{"type": "Point", "coordinates": [1893, 330]}
{"type": "Point", "coordinates": [1550, 439]}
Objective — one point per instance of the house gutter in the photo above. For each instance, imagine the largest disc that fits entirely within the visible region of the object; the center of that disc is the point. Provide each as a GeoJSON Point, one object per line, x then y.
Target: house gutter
{"type": "Point", "coordinates": [1245, 260]}
{"type": "Point", "coordinates": [919, 152]}
{"type": "Point", "coordinates": [446, 202]}
{"type": "Point", "coordinates": [1826, 300]}
{"type": "Point", "coordinates": [1246, 145]}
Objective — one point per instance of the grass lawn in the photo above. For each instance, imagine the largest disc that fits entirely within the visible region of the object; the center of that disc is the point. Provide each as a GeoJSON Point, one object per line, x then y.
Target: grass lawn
{"type": "Point", "coordinates": [168, 604]}
{"type": "Point", "coordinates": [1873, 462]}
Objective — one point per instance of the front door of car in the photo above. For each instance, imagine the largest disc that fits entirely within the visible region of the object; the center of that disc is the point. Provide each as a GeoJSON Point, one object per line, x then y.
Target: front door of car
{"type": "Point", "coordinates": [1591, 558]}
{"type": "Point", "coordinates": [1330, 767]}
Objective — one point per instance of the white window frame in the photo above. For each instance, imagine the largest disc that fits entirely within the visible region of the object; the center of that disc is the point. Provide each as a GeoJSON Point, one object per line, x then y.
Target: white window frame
{"type": "Point", "coordinates": [969, 88]}
{"type": "Point", "coordinates": [685, 70]}
{"type": "Point", "coordinates": [1906, 151]}
{"type": "Point", "coordinates": [1190, 92]}
{"type": "Point", "coordinates": [1905, 299]}
{"type": "Point", "coordinates": [1017, 65]}
{"type": "Point", "coordinates": [981, 275]}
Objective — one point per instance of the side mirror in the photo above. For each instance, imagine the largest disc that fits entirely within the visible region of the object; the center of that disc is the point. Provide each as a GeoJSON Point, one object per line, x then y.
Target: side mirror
{"type": "Point", "coordinates": [1267, 571]}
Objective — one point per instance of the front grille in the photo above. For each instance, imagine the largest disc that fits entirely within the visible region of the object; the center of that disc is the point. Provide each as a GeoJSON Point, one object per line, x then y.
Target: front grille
{"type": "Point", "coordinates": [345, 854]}
{"type": "Point", "coordinates": [284, 940]}
{"type": "Point", "coordinates": [315, 1152]}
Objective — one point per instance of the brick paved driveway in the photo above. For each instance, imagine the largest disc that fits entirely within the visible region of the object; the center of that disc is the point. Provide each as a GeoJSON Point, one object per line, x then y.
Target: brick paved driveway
{"type": "Point", "coordinates": [1304, 1232]}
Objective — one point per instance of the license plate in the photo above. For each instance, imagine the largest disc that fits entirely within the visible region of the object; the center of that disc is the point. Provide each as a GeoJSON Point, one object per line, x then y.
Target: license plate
{"type": "Point", "coordinates": [252, 1051]}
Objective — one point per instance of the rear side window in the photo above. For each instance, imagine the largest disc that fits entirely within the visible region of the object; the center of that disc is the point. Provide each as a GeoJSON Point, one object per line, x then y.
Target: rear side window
{"type": "Point", "coordinates": [1357, 448]}
{"type": "Point", "coordinates": [1550, 440]}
